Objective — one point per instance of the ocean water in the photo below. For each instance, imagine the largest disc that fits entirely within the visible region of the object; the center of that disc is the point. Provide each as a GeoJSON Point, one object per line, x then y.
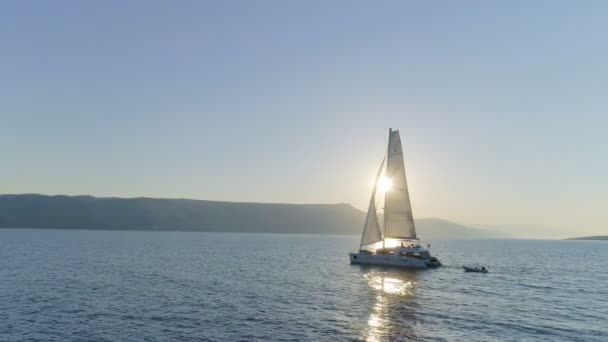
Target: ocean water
{"type": "Point", "coordinates": [77, 285]}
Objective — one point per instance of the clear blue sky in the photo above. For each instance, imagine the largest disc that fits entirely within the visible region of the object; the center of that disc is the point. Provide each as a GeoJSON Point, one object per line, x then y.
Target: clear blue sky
{"type": "Point", "coordinates": [503, 106]}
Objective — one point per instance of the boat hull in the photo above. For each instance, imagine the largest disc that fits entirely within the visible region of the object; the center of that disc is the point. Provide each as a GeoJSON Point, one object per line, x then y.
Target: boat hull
{"type": "Point", "coordinates": [392, 261]}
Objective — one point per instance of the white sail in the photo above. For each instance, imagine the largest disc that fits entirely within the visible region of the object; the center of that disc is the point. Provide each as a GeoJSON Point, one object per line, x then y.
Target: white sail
{"type": "Point", "coordinates": [371, 230]}
{"type": "Point", "coordinates": [399, 222]}
{"type": "Point", "coordinates": [397, 219]}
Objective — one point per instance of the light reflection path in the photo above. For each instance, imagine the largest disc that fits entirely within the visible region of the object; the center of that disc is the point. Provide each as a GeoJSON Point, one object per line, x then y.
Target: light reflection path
{"type": "Point", "coordinates": [393, 314]}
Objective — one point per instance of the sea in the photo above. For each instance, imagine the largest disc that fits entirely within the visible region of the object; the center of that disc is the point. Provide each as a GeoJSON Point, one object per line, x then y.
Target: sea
{"type": "Point", "coordinates": [80, 285]}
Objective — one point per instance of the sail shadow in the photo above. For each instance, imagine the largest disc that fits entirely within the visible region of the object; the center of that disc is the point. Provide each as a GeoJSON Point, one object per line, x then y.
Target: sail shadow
{"type": "Point", "coordinates": [393, 313]}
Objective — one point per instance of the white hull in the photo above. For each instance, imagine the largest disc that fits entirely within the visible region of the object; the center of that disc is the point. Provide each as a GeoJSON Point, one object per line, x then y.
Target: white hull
{"type": "Point", "coordinates": [392, 260]}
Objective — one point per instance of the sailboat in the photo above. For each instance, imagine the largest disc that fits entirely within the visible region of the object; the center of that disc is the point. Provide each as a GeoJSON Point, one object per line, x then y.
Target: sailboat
{"type": "Point", "coordinates": [400, 246]}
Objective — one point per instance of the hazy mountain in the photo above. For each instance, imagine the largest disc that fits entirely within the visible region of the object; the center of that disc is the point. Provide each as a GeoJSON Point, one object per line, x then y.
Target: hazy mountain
{"type": "Point", "coordinates": [87, 212]}
{"type": "Point", "coordinates": [531, 232]}
{"type": "Point", "coordinates": [438, 228]}
{"type": "Point", "coordinates": [598, 238]}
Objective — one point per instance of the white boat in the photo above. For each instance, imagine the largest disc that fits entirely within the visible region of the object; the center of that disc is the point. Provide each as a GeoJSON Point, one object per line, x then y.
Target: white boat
{"type": "Point", "coordinates": [396, 244]}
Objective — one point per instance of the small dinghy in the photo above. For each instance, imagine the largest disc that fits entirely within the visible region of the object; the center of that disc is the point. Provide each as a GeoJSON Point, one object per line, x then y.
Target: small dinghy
{"type": "Point", "coordinates": [475, 269]}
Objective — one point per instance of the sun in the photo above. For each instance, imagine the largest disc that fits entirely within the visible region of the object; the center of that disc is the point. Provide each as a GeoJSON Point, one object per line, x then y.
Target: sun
{"type": "Point", "coordinates": [384, 184]}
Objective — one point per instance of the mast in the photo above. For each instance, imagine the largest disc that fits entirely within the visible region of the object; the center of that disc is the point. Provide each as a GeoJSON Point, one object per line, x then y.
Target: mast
{"type": "Point", "coordinates": [390, 130]}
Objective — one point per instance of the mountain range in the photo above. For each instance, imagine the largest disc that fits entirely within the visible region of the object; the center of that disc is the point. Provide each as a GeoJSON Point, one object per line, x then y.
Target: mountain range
{"type": "Point", "coordinates": [163, 214]}
{"type": "Point", "coordinates": [596, 238]}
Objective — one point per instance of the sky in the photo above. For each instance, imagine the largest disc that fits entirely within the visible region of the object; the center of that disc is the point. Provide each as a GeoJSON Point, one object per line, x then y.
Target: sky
{"type": "Point", "coordinates": [501, 106]}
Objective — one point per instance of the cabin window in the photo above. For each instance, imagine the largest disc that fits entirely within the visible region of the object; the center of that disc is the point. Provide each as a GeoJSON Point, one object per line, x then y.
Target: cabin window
{"type": "Point", "coordinates": [354, 257]}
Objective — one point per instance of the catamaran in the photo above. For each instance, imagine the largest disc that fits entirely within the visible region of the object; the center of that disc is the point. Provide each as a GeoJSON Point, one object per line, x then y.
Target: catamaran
{"type": "Point", "coordinates": [400, 246]}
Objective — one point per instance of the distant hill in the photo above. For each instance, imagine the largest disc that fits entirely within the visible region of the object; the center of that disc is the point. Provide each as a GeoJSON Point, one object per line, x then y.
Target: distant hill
{"type": "Point", "coordinates": [431, 228]}
{"type": "Point", "coordinates": [160, 214]}
{"type": "Point", "coordinates": [86, 212]}
{"type": "Point", "coordinates": [530, 232]}
{"type": "Point", "coordinates": [598, 238]}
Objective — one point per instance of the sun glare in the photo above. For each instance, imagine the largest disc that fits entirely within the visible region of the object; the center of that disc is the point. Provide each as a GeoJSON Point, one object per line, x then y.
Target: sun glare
{"type": "Point", "coordinates": [384, 184]}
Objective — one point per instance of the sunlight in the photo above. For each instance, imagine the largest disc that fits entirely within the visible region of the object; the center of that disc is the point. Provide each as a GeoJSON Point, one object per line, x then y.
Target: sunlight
{"type": "Point", "coordinates": [390, 243]}
{"type": "Point", "coordinates": [377, 323]}
{"type": "Point", "coordinates": [380, 322]}
{"type": "Point", "coordinates": [384, 184]}
{"type": "Point", "coordinates": [391, 285]}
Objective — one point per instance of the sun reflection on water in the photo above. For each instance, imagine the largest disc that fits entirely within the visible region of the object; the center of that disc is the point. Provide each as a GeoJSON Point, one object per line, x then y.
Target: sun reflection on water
{"type": "Point", "coordinates": [391, 285]}
{"type": "Point", "coordinates": [390, 290]}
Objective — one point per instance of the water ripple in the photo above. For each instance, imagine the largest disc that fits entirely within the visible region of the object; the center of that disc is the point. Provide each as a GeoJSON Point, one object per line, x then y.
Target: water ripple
{"type": "Point", "coordinates": [138, 286]}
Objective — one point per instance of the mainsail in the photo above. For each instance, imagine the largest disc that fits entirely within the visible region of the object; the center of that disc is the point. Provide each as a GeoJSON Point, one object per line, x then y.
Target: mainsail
{"type": "Point", "coordinates": [399, 222]}
{"type": "Point", "coordinates": [371, 230]}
